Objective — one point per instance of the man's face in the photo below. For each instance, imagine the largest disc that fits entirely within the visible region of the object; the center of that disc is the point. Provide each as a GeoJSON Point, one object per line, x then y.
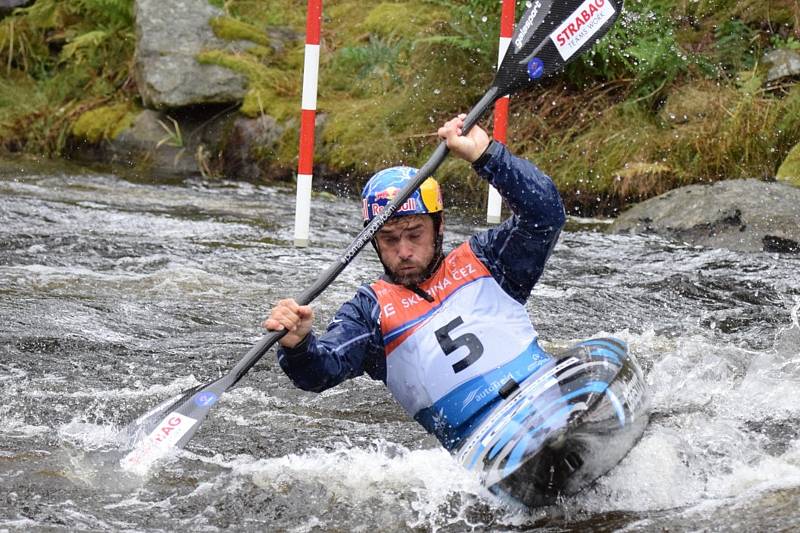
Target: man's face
{"type": "Point", "coordinates": [406, 246]}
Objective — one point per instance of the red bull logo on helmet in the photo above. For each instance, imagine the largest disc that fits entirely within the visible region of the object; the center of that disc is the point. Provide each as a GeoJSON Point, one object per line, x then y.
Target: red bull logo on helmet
{"type": "Point", "coordinates": [371, 210]}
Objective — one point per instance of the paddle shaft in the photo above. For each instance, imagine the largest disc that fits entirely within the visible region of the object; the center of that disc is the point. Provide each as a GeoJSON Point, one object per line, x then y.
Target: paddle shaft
{"type": "Point", "coordinates": [332, 272]}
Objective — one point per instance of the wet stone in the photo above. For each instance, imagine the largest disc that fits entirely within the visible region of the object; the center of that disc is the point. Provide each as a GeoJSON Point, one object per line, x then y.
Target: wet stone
{"type": "Point", "coordinates": [744, 215]}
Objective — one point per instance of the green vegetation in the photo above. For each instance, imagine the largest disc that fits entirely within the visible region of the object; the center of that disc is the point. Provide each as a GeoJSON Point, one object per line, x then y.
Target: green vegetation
{"type": "Point", "coordinates": [675, 94]}
{"type": "Point", "coordinates": [58, 61]}
{"type": "Point", "coordinates": [789, 171]}
{"type": "Point", "coordinates": [105, 122]}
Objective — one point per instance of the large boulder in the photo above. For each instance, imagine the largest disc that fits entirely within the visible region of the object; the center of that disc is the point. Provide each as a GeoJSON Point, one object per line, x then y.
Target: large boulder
{"type": "Point", "coordinates": [745, 215]}
{"type": "Point", "coordinates": [169, 35]}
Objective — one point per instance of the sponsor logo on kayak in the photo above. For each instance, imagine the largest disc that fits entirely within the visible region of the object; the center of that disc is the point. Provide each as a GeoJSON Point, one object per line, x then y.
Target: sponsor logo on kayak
{"type": "Point", "coordinates": [581, 25]}
{"type": "Point", "coordinates": [492, 425]}
{"type": "Point", "coordinates": [527, 25]}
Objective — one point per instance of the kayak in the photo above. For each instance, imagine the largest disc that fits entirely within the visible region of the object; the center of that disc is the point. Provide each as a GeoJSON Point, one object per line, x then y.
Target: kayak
{"type": "Point", "coordinates": [566, 425]}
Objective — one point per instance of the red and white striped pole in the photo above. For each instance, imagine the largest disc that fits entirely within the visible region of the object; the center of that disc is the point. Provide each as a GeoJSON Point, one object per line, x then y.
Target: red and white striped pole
{"type": "Point", "coordinates": [501, 107]}
{"type": "Point", "coordinates": [308, 113]}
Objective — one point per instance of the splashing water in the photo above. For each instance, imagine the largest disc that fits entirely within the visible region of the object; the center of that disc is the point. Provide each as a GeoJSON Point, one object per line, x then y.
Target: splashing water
{"type": "Point", "coordinates": [118, 295]}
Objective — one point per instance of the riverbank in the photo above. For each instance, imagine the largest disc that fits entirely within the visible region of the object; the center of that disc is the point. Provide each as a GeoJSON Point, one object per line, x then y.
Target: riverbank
{"type": "Point", "coordinates": [674, 95]}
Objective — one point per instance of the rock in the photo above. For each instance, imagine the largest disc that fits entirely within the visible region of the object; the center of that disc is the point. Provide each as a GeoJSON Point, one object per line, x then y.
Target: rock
{"type": "Point", "coordinates": [169, 35]}
{"type": "Point", "coordinates": [250, 151]}
{"type": "Point", "coordinates": [178, 143]}
{"type": "Point", "coordinates": [783, 63]}
{"type": "Point", "coordinates": [149, 141]}
{"type": "Point", "coordinates": [280, 38]}
{"type": "Point", "coordinates": [789, 171]}
{"type": "Point", "coordinates": [250, 147]}
{"type": "Point", "coordinates": [7, 6]}
{"type": "Point", "coordinates": [743, 215]}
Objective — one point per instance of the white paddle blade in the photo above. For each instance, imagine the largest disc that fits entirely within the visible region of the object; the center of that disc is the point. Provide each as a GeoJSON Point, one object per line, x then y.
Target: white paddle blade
{"type": "Point", "coordinates": [158, 444]}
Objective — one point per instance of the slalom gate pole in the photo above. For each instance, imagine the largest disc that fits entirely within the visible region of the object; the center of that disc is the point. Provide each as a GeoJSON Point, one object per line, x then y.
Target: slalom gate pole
{"type": "Point", "coordinates": [495, 202]}
{"type": "Point", "coordinates": [308, 113]}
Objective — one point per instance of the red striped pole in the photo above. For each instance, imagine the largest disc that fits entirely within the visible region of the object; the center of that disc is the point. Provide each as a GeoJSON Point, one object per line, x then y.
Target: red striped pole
{"type": "Point", "coordinates": [501, 107]}
{"type": "Point", "coordinates": [308, 113]}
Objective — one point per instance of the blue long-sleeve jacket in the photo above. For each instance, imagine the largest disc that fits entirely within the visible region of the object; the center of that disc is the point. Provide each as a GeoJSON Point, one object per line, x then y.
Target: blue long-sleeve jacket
{"type": "Point", "coordinates": [515, 253]}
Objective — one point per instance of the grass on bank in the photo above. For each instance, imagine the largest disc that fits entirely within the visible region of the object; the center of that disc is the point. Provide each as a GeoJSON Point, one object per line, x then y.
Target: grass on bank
{"type": "Point", "coordinates": [675, 93]}
{"type": "Point", "coordinates": [59, 60]}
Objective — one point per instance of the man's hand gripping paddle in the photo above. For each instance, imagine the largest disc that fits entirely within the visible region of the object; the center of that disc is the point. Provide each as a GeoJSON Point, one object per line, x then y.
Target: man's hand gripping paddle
{"type": "Point", "coordinates": [549, 35]}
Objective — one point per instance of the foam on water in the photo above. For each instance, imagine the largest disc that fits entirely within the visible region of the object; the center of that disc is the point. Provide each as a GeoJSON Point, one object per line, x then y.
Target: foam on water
{"type": "Point", "coordinates": [18, 524]}
{"type": "Point", "coordinates": [87, 436]}
{"type": "Point", "coordinates": [700, 450]}
{"type": "Point", "coordinates": [90, 456]}
{"type": "Point", "coordinates": [170, 277]}
{"type": "Point", "coordinates": [156, 391]}
{"type": "Point", "coordinates": [12, 424]}
{"type": "Point", "coordinates": [359, 474]}
{"type": "Point", "coordinates": [423, 482]}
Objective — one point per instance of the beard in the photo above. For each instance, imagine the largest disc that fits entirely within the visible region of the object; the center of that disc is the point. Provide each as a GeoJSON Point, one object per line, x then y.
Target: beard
{"type": "Point", "coordinates": [413, 277]}
{"type": "Point", "coordinates": [409, 277]}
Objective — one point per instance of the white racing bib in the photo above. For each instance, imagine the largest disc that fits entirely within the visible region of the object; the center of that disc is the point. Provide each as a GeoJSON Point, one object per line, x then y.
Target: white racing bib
{"type": "Point", "coordinates": [457, 351]}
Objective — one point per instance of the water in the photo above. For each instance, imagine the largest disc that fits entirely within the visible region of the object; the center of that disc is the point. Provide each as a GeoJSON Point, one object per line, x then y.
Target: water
{"type": "Point", "coordinates": [115, 295]}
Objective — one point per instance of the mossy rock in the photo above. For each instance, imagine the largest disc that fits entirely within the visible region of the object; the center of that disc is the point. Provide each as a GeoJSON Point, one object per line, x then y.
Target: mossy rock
{"type": "Point", "coordinates": [260, 101]}
{"type": "Point", "coordinates": [269, 88]}
{"type": "Point", "coordinates": [232, 29]}
{"type": "Point", "coordinates": [104, 123]}
{"type": "Point", "coordinates": [789, 170]}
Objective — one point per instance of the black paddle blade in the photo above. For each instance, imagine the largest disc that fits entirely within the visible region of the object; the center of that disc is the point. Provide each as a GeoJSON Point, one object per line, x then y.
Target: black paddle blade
{"type": "Point", "coordinates": [550, 34]}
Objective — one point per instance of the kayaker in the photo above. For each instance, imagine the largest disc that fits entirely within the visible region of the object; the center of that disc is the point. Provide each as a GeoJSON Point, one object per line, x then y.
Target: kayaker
{"type": "Point", "coordinates": [448, 334]}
